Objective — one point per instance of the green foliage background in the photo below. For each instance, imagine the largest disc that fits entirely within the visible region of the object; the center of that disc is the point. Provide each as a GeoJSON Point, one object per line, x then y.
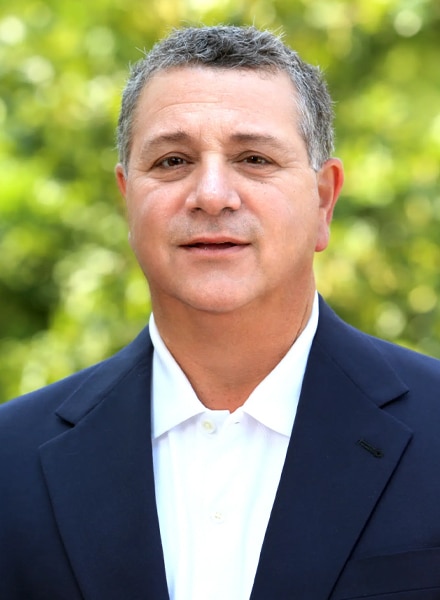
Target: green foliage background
{"type": "Point", "coordinates": [70, 291]}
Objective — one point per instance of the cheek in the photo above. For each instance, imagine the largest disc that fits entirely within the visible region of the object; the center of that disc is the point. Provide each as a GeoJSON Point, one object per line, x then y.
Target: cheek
{"type": "Point", "coordinates": [142, 231]}
{"type": "Point", "coordinates": [144, 214]}
{"type": "Point", "coordinates": [298, 229]}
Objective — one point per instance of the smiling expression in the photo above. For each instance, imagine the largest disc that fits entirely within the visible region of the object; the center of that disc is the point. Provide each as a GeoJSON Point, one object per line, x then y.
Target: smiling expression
{"type": "Point", "coordinates": [224, 209]}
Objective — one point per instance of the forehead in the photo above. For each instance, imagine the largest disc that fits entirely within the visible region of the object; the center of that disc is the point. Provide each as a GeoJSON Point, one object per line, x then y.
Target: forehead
{"type": "Point", "coordinates": [191, 92]}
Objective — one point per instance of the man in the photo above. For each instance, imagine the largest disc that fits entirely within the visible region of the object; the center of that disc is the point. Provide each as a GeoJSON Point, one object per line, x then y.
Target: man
{"type": "Point", "coordinates": [248, 444]}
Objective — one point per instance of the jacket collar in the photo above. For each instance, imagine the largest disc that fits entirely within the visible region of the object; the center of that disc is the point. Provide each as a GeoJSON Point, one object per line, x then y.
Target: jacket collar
{"type": "Point", "coordinates": [343, 452]}
{"type": "Point", "coordinates": [100, 480]}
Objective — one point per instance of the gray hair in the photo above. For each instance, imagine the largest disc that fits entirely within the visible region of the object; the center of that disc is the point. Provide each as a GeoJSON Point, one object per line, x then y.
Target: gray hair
{"type": "Point", "coordinates": [235, 47]}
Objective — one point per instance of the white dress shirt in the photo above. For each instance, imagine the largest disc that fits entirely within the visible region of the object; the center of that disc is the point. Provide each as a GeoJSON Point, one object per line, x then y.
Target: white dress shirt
{"type": "Point", "coordinates": [216, 473]}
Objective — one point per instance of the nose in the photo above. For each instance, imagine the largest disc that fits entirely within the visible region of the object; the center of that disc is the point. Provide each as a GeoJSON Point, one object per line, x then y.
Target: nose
{"type": "Point", "coordinates": [213, 190]}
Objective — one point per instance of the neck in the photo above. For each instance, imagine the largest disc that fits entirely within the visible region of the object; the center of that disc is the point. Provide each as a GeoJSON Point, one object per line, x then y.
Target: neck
{"type": "Point", "coordinates": [225, 356]}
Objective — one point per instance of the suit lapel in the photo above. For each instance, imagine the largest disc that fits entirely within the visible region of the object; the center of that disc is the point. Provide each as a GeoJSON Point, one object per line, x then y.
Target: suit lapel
{"type": "Point", "coordinates": [100, 479]}
{"type": "Point", "coordinates": [343, 451]}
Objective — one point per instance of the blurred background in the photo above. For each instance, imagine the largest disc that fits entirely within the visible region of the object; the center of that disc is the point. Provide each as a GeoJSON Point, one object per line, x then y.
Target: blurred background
{"type": "Point", "coordinates": [70, 290]}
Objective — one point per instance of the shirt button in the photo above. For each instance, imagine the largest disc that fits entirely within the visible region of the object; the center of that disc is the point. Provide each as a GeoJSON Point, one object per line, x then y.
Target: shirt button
{"type": "Point", "coordinates": [218, 517]}
{"type": "Point", "coordinates": [208, 426]}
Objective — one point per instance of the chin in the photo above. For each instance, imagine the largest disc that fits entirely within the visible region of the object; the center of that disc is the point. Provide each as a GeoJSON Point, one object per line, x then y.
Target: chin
{"type": "Point", "coordinates": [218, 303]}
{"type": "Point", "coordinates": [217, 308]}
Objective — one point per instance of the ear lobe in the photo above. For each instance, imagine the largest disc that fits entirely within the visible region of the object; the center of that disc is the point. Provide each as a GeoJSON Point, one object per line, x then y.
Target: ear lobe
{"type": "Point", "coordinates": [121, 179]}
{"type": "Point", "coordinates": [330, 179]}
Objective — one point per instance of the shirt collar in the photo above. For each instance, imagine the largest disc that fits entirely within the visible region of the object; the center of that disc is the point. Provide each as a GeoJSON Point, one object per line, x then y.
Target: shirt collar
{"type": "Point", "coordinates": [173, 398]}
{"type": "Point", "coordinates": [273, 402]}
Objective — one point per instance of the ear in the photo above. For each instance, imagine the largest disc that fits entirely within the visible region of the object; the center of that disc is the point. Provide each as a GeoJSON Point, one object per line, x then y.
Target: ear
{"type": "Point", "coordinates": [330, 179]}
{"type": "Point", "coordinates": [121, 179]}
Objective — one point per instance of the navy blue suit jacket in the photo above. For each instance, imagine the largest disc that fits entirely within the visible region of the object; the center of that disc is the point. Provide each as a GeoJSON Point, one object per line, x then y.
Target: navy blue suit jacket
{"type": "Point", "coordinates": [357, 512]}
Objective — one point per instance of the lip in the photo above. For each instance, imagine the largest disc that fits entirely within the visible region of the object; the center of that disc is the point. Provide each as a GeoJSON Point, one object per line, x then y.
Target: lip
{"type": "Point", "coordinates": [217, 245]}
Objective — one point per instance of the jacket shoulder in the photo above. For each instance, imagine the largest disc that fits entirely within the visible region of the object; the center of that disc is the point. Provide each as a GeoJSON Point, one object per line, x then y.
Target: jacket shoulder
{"type": "Point", "coordinates": [386, 371]}
{"type": "Point", "coordinates": [345, 340]}
{"type": "Point", "coordinates": [36, 410]}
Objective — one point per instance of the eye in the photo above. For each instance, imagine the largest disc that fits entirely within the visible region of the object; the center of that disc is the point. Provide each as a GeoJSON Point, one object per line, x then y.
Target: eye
{"type": "Point", "coordinates": [171, 162]}
{"type": "Point", "coordinates": [256, 159]}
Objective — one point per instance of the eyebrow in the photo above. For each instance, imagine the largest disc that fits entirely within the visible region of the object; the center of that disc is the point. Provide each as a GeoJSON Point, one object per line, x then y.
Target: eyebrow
{"type": "Point", "coordinates": [163, 138]}
{"type": "Point", "coordinates": [181, 136]}
{"type": "Point", "coordinates": [258, 138]}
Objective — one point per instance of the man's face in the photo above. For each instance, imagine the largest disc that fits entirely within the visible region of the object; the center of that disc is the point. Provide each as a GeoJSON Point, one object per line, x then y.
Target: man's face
{"type": "Point", "coordinates": [224, 209]}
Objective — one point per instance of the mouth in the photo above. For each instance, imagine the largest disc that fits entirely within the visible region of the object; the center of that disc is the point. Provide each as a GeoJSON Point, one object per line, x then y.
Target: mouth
{"type": "Point", "coordinates": [213, 245]}
{"type": "Point", "coordinates": [219, 246]}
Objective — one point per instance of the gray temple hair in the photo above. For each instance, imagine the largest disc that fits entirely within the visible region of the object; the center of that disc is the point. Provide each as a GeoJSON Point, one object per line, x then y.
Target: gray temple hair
{"type": "Point", "coordinates": [242, 48]}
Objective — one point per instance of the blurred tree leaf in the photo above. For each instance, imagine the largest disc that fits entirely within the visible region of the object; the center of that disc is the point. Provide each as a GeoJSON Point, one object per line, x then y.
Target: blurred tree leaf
{"type": "Point", "coordinates": [70, 290]}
